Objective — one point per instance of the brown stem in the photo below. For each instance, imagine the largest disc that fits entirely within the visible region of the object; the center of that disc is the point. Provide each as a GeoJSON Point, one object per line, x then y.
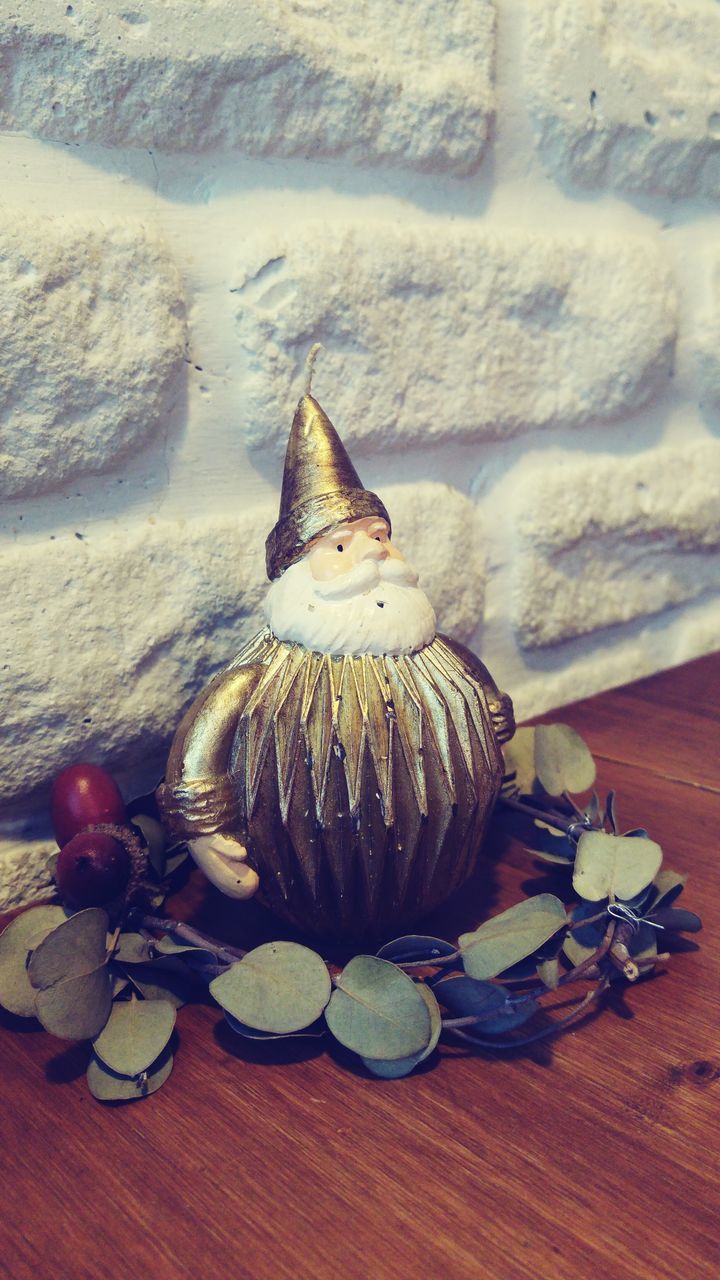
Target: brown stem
{"type": "Point", "coordinates": [196, 939]}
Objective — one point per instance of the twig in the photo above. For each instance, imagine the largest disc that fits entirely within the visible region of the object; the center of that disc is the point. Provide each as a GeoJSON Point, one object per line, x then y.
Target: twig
{"type": "Point", "coordinates": [196, 939]}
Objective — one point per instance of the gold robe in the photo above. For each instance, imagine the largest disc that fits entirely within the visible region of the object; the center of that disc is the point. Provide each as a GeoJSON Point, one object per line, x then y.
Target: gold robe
{"type": "Point", "coordinates": [360, 786]}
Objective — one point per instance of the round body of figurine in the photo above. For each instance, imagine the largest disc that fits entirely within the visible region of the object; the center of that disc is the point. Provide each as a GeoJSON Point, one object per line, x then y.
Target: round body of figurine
{"type": "Point", "coordinates": [345, 764]}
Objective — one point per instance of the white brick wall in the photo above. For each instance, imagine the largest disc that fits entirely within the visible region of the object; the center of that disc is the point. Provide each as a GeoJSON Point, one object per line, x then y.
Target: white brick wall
{"type": "Point", "coordinates": [500, 220]}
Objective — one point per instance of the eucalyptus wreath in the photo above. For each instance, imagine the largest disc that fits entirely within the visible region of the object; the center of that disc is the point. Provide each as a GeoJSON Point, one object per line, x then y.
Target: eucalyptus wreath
{"type": "Point", "coordinates": [117, 977]}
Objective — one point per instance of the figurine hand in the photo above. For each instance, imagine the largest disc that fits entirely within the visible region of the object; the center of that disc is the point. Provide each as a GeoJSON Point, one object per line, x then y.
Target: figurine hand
{"type": "Point", "coordinates": [222, 859]}
{"type": "Point", "coordinates": [501, 714]}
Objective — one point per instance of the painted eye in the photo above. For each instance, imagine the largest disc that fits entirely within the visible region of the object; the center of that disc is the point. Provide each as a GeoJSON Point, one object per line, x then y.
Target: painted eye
{"type": "Point", "coordinates": [339, 547]}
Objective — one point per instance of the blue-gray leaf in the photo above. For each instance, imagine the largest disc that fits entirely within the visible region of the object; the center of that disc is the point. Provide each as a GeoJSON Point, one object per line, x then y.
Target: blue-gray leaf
{"type": "Point", "coordinates": [393, 1070]}
{"type": "Point", "coordinates": [416, 947]}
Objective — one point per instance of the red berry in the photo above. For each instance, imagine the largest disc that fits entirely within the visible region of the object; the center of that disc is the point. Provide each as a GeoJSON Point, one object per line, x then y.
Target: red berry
{"type": "Point", "coordinates": [84, 796]}
{"type": "Point", "coordinates": [92, 869]}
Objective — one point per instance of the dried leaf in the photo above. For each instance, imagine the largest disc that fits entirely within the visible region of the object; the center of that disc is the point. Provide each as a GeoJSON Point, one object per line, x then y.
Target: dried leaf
{"type": "Point", "coordinates": [377, 1011]}
{"type": "Point", "coordinates": [21, 936]}
{"type": "Point", "coordinates": [154, 837]}
{"type": "Point", "coordinates": [562, 760]}
{"type": "Point", "coordinates": [76, 1008]}
{"type": "Point", "coordinates": [278, 987]}
{"type": "Point", "coordinates": [511, 936]}
{"type": "Point", "coordinates": [580, 944]}
{"type": "Point", "coordinates": [135, 1035]}
{"type": "Point", "coordinates": [616, 866]}
{"type": "Point", "coordinates": [107, 1086]}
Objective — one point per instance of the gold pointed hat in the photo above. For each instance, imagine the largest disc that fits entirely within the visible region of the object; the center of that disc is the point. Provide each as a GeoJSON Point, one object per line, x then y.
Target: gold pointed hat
{"type": "Point", "coordinates": [320, 489]}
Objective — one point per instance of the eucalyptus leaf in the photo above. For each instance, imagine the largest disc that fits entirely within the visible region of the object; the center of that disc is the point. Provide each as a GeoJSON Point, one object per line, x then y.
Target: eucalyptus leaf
{"type": "Point", "coordinates": [519, 754]}
{"type": "Point", "coordinates": [316, 1030]}
{"type": "Point", "coordinates": [21, 936]}
{"type": "Point", "coordinates": [77, 946]}
{"type": "Point", "coordinates": [152, 833]}
{"type": "Point", "coordinates": [466, 997]}
{"type": "Point", "coordinates": [512, 1015]}
{"type": "Point", "coordinates": [676, 918]}
{"type": "Point", "coordinates": [643, 944]}
{"type": "Point", "coordinates": [394, 1069]}
{"type": "Point", "coordinates": [548, 972]}
{"type": "Point", "coordinates": [416, 947]}
{"type": "Point", "coordinates": [497, 1010]}
{"type": "Point", "coordinates": [562, 760]}
{"type": "Point", "coordinates": [511, 936]}
{"type": "Point", "coordinates": [618, 866]}
{"type": "Point", "coordinates": [132, 948]}
{"type": "Point", "coordinates": [76, 1008]}
{"type": "Point", "coordinates": [135, 1035]}
{"type": "Point", "coordinates": [377, 1011]}
{"type": "Point", "coordinates": [581, 943]}
{"type": "Point", "coordinates": [70, 975]}
{"type": "Point", "coordinates": [166, 946]}
{"type": "Point", "coordinates": [279, 987]}
{"type": "Point", "coordinates": [667, 886]}
{"type": "Point", "coordinates": [107, 1086]}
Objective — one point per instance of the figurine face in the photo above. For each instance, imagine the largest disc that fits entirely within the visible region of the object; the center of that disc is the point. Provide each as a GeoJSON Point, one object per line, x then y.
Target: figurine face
{"type": "Point", "coordinates": [348, 545]}
{"type": "Point", "coordinates": [351, 593]}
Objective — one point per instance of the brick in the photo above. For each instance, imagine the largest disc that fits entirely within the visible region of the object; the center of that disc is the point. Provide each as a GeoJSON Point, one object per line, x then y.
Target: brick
{"type": "Point", "coordinates": [438, 529]}
{"type": "Point", "coordinates": [462, 335]}
{"type": "Point", "coordinates": [603, 542]}
{"type": "Point", "coordinates": [92, 331]}
{"type": "Point", "coordinates": [404, 84]}
{"type": "Point", "coordinates": [626, 93]}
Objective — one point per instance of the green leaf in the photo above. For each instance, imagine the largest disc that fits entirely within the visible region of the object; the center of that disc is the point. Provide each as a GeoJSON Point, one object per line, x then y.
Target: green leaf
{"type": "Point", "coordinates": [512, 935]}
{"type": "Point", "coordinates": [562, 760]}
{"type": "Point", "coordinates": [618, 866]}
{"type": "Point", "coordinates": [107, 1086]}
{"type": "Point", "coordinates": [135, 1035]}
{"type": "Point", "coordinates": [69, 973]}
{"type": "Point", "coordinates": [519, 754]}
{"type": "Point", "coordinates": [279, 987]}
{"type": "Point", "coordinates": [132, 948]}
{"type": "Point", "coordinates": [394, 1069]}
{"type": "Point", "coordinates": [377, 1011]}
{"type": "Point", "coordinates": [22, 935]}
{"type": "Point", "coordinates": [548, 972]}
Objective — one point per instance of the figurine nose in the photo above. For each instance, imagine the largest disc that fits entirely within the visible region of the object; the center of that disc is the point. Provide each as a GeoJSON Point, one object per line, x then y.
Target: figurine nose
{"type": "Point", "coordinates": [370, 548]}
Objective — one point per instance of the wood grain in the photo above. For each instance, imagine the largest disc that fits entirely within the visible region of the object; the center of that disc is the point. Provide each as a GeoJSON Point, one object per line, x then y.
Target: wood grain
{"type": "Point", "coordinates": [594, 1156]}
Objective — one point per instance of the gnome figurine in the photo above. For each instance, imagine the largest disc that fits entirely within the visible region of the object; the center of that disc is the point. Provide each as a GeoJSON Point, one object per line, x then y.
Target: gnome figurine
{"type": "Point", "coordinates": [344, 765]}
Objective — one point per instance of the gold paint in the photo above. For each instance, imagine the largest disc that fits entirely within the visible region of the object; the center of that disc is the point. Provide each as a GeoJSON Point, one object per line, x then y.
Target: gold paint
{"type": "Point", "coordinates": [321, 488]}
{"type": "Point", "coordinates": [361, 786]}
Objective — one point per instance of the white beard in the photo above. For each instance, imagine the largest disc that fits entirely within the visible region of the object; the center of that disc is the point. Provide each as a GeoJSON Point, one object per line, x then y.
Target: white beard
{"type": "Point", "coordinates": [376, 607]}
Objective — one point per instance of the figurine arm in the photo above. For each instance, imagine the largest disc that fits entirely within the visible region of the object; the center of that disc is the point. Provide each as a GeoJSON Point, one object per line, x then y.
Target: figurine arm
{"type": "Point", "coordinates": [201, 795]}
{"type": "Point", "coordinates": [500, 704]}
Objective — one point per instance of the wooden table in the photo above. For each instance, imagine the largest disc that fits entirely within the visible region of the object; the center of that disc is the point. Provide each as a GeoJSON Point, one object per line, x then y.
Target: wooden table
{"type": "Point", "coordinates": [594, 1155]}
